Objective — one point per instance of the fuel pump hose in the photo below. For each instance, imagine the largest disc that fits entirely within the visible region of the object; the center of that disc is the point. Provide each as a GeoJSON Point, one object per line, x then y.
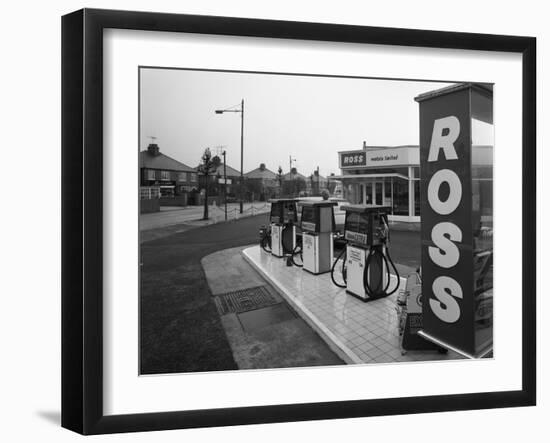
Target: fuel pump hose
{"type": "Point", "coordinates": [343, 270]}
{"type": "Point", "coordinates": [286, 240]}
{"type": "Point", "coordinates": [297, 251]}
{"type": "Point", "coordinates": [265, 240]}
{"type": "Point", "coordinates": [377, 292]}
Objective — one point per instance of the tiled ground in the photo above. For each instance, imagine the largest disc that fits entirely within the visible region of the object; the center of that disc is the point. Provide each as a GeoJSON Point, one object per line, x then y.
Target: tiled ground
{"type": "Point", "coordinates": [363, 332]}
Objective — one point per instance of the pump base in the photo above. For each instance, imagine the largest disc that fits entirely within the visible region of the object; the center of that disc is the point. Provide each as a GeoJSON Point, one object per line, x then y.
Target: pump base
{"type": "Point", "coordinates": [316, 273]}
{"type": "Point", "coordinates": [363, 299]}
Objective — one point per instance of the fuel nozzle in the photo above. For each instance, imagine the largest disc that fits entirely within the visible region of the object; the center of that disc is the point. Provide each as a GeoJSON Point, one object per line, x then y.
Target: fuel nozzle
{"type": "Point", "coordinates": [265, 238]}
{"type": "Point", "coordinates": [384, 229]}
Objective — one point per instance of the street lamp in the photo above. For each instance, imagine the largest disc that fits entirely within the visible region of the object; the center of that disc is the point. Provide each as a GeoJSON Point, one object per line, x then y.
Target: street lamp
{"type": "Point", "coordinates": [241, 111]}
{"type": "Point", "coordinates": [291, 178]}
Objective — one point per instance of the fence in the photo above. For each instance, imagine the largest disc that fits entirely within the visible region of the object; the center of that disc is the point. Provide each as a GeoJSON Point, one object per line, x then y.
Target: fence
{"type": "Point", "coordinates": [149, 199]}
{"type": "Point", "coordinates": [149, 192]}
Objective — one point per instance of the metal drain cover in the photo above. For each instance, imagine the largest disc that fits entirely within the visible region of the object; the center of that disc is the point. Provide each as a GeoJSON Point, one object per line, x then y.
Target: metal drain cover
{"type": "Point", "coordinates": [244, 300]}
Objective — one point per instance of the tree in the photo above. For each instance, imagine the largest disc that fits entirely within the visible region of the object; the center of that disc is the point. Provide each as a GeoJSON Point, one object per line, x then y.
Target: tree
{"type": "Point", "coordinates": [293, 187]}
{"type": "Point", "coordinates": [280, 180]}
{"type": "Point", "coordinates": [206, 168]}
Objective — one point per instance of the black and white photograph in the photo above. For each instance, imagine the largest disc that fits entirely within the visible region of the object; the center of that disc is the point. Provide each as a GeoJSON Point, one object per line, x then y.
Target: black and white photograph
{"type": "Point", "coordinates": [289, 220]}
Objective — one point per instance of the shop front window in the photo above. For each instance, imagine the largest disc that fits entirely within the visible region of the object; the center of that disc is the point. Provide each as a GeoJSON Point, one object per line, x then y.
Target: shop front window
{"type": "Point", "coordinates": [378, 191]}
{"type": "Point", "coordinates": [387, 192]}
{"type": "Point", "coordinates": [416, 186]}
{"type": "Point", "coordinates": [400, 197]}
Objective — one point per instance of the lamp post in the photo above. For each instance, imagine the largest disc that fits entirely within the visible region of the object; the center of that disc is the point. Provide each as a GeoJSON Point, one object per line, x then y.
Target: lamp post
{"type": "Point", "coordinates": [225, 184]}
{"type": "Point", "coordinates": [241, 111]}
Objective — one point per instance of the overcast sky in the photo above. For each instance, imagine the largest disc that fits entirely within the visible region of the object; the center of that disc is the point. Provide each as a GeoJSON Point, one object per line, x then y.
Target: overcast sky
{"type": "Point", "coordinates": [310, 118]}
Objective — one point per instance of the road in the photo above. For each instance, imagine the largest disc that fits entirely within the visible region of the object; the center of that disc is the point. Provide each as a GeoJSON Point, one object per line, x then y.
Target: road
{"type": "Point", "coordinates": [180, 329]}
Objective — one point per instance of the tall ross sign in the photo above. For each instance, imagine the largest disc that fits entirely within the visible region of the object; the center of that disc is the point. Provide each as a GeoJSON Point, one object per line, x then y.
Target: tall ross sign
{"type": "Point", "coordinates": [447, 212]}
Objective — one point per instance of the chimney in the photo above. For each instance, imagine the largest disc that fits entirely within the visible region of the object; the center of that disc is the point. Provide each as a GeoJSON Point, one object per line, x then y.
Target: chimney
{"type": "Point", "coordinates": [153, 149]}
{"type": "Point", "coordinates": [262, 166]}
{"type": "Point", "coordinates": [364, 145]}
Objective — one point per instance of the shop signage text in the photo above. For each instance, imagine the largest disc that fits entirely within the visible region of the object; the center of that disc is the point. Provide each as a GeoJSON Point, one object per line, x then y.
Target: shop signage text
{"type": "Point", "coordinates": [353, 159]}
{"type": "Point", "coordinates": [447, 292]}
{"type": "Point", "coordinates": [388, 157]}
{"type": "Point", "coordinates": [446, 212]}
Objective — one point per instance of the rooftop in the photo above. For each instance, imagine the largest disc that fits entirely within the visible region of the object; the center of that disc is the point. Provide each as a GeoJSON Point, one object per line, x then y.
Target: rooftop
{"type": "Point", "coordinates": [379, 148]}
{"type": "Point", "coordinates": [152, 159]}
{"type": "Point", "coordinates": [229, 171]}
{"type": "Point", "coordinates": [261, 172]}
{"type": "Point", "coordinates": [485, 88]}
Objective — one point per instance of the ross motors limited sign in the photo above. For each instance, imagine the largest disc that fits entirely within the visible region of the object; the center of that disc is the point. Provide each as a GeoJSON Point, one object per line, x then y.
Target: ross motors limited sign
{"type": "Point", "coordinates": [446, 214]}
{"type": "Point", "coordinates": [387, 157]}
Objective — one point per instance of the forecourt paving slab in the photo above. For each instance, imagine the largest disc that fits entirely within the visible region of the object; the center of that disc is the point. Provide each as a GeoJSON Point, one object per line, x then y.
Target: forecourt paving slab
{"type": "Point", "coordinates": [359, 332]}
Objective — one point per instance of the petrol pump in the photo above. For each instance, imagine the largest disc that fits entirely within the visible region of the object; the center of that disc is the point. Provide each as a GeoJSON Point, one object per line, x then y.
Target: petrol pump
{"type": "Point", "coordinates": [365, 259]}
{"type": "Point", "coordinates": [317, 225]}
{"type": "Point", "coordinates": [282, 220]}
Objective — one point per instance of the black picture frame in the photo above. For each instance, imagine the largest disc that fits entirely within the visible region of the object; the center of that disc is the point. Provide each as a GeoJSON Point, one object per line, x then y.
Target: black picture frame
{"type": "Point", "coordinates": [82, 232]}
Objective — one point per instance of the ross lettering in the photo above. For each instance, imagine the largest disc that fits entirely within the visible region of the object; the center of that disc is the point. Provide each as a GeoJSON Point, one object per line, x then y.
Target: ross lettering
{"type": "Point", "coordinates": [445, 142]}
{"type": "Point", "coordinates": [455, 191]}
{"type": "Point", "coordinates": [445, 253]}
{"type": "Point", "coordinates": [446, 290]}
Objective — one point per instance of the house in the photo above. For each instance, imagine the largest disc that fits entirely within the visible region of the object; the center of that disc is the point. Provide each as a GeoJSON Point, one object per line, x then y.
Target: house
{"type": "Point", "coordinates": [169, 175]}
{"type": "Point", "coordinates": [294, 183]}
{"type": "Point", "coordinates": [316, 183]}
{"type": "Point", "coordinates": [217, 178]}
{"type": "Point", "coordinates": [262, 182]}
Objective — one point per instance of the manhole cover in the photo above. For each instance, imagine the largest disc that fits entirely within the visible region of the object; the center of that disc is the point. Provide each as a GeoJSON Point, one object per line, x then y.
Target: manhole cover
{"type": "Point", "coordinates": [244, 300]}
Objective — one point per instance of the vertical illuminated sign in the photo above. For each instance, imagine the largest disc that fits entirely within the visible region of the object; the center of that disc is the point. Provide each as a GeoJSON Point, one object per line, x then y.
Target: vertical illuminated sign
{"type": "Point", "coordinates": [446, 214]}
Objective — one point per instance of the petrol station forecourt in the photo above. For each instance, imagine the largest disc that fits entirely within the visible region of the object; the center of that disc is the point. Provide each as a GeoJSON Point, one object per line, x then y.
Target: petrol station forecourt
{"type": "Point", "coordinates": [202, 337]}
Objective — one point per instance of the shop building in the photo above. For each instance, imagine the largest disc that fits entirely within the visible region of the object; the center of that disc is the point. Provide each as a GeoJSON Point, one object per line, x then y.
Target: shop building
{"type": "Point", "coordinates": [160, 171]}
{"type": "Point", "coordinates": [383, 175]}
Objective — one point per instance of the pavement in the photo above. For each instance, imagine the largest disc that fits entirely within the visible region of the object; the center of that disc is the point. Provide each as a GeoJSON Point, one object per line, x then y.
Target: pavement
{"type": "Point", "coordinates": [263, 333]}
{"type": "Point", "coordinates": [192, 215]}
